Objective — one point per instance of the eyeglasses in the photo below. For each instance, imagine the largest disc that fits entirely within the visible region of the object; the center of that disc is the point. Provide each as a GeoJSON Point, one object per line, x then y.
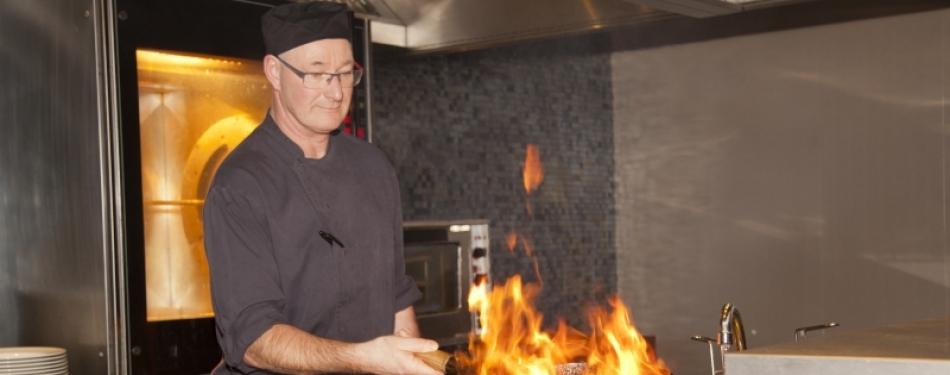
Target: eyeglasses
{"type": "Point", "coordinates": [322, 80]}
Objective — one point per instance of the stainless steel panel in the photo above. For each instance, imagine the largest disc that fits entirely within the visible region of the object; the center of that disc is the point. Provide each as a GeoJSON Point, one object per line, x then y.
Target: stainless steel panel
{"type": "Point", "coordinates": [52, 249]}
{"type": "Point", "coordinates": [461, 24]}
{"type": "Point", "coordinates": [441, 24]}
{"type": "Point", "coordinates": [800, 175]}
{"type": "Point", "coordinates": [693, 8]}
{"type": "Point", "coordinates": [711, 8]}
{"type": "Point", "coordinates": [918, 347]}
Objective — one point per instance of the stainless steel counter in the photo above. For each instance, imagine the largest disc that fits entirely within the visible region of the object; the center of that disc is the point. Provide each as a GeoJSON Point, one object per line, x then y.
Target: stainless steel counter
{"type": "Point", "coordinates": [920, 348]}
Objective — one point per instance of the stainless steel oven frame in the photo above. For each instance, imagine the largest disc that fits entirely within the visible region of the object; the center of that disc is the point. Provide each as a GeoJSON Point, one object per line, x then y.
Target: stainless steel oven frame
{"type": "Point", "coordinates": [452, 328]}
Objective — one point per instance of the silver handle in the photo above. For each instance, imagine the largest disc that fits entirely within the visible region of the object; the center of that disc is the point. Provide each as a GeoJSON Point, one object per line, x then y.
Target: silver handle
{"type": "Point", "coordinates": [804, 330]}
{"type": "Point", "coordinates": [712, 356]}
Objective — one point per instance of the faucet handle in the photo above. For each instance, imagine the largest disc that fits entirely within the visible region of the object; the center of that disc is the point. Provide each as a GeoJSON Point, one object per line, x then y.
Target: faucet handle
{"type": "Point", "coordinates": [703, 339]}
{"type": "Point", "coordinates": [804, 330]}
{"type": "Point", "coordinates": [712, 357]}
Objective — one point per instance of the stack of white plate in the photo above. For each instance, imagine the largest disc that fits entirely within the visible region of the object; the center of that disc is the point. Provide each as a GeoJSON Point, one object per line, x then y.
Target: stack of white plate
{"type": "Point", "coordinates": [33, 360]}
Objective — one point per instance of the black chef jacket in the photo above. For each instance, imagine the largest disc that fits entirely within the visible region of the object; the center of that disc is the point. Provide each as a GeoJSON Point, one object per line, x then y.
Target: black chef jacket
{"type": "Point", "coordinates": [269, 264]}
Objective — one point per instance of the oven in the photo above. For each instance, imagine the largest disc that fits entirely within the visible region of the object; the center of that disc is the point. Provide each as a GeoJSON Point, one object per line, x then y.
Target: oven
{"type": "Point", "coordinates": [191, 88]}
{"type": "Point", "coordinates": [446, 259]}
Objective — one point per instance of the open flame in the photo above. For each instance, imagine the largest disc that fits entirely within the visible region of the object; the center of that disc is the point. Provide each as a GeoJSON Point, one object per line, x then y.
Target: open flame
{"type": "Point", "coordinates": [511, 341]}
{"type": "Point", "coordinates": [533, 171]}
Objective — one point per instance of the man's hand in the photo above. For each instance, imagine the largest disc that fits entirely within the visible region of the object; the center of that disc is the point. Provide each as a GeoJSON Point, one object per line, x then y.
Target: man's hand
{"type": "Point", "coordinates": [393, 355]}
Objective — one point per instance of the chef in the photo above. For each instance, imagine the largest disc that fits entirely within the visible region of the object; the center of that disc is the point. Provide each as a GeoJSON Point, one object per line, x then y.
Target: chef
{"type": "Point", "coordinates": [303, 225]}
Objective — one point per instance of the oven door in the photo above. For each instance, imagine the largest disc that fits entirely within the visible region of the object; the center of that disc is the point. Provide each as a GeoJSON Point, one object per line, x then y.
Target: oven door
{"type": "Point", "coordinates": [435, 270]}
{"type": "Point", "coordinates": [440, 271]}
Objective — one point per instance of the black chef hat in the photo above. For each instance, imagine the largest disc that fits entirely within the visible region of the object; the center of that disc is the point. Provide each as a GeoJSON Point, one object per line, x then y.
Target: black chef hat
{"type": "Point", "coordinates": [292, 25]}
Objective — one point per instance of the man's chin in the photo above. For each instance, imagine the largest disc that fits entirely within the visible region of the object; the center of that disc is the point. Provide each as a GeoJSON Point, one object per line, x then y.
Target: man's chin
{"type": "Point", "coordinates": [329, 115]}
{"type": "Point", "coordinates": [326, 127]}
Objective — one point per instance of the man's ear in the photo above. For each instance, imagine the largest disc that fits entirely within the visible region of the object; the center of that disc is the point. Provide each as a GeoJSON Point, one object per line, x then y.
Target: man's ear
{"type": "Point", "coordinates": [272, 70]}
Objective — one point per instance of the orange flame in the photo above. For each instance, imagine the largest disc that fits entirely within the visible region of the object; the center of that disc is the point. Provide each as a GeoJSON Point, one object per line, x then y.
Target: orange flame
{"type": "Point", "coordinates": [533, 171]}
{"type": "Point", "coordinates": [527, 246]}
{"type": "Point", "coordinates": [511, 341]}
{"type": "Point", "coordinates": [617, 347]}
{"type": "Point", "coordinates": [512, 240]}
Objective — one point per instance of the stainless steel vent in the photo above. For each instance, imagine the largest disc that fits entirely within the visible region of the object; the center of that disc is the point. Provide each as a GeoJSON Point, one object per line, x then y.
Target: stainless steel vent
{"type": "Point", "coordinates": [693, 8]}
{"type": "Point", "coordinates": [360, 7]}
{"type": "Point", "coordinates": [431, 25]}
{"type": "Point", "coordinates": [709, 8]}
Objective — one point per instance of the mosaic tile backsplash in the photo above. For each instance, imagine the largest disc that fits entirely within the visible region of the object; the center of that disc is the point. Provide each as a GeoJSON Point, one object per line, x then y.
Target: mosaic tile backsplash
{"type": "Point", "coordinates": [457, 128]}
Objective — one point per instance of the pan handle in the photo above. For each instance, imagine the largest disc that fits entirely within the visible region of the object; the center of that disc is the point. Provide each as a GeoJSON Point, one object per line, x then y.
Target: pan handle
{"type": "Point", "coordinates": [439, 361]}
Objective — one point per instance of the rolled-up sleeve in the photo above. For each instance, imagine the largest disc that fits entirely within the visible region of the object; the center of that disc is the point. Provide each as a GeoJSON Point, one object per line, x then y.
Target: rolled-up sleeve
{"type": "Point", "coordinates": [246, 292]}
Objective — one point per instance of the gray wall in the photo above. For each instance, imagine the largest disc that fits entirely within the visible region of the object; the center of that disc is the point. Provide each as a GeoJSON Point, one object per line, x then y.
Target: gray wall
{"type": "Point", "coordinates": [800, 175]}
{"type": "Point", "coordinates": [52, 255]}
{"type": "Point", "coordinates": [457, 126]}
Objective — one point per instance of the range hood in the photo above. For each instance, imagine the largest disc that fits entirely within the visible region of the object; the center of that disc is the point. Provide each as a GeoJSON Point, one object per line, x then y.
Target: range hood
{"type": "Point", "coordinates": [709, 8]}
{"type": "Point", "coordinates": [432, 25]}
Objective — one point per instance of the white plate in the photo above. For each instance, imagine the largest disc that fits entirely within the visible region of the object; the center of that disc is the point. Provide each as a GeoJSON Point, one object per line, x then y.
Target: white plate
{"type": "Point", "coordinates": [37, 370]}
{"type": "Point", "coordinates": [30, 361]}
{"type": "Point", "coordinates": [51, 363]}
{"type": "Point", "coordinates": [29, 352]}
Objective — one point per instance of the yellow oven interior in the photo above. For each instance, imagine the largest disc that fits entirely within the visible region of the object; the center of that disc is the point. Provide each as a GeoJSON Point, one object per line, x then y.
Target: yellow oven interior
{"type": "Point", "coordinates": [194, 110]}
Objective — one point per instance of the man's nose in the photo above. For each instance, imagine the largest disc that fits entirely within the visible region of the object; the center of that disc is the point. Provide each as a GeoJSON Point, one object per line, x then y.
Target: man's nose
{"type": "Point", "coordinates": [334, 89]}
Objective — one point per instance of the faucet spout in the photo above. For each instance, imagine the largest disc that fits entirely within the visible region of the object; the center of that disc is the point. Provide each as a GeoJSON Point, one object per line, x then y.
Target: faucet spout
{"type": "Point", "coordinates": [731, 332]}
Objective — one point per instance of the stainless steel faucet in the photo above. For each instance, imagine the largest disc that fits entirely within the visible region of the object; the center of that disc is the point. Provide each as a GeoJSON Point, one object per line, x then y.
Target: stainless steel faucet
{"type": "Point", "coordinates": [731, 335]}
{"type": "Point", "coordinates": [731, 332]}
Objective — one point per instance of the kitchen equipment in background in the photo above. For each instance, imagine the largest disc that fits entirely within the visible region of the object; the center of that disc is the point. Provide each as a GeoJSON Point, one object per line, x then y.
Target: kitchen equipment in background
{"type": "Point", "coordinates": [712, 355]}
{"type": "Point", "coordinates": [803, 331]}
{"type": "Point", "coordinates": [194, 111]}
{"type": "Point", "coordinates": [33, 360]}
{"type": "Point", "coordinates": [917, 347]}
{"type": "Point", "coordinates": [446, 259]}
{"type": "Point", "coordinates": [731, 336]}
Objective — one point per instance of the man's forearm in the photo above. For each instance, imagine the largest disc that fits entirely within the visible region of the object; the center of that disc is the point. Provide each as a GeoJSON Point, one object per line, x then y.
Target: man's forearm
{"type": "Point", "coordinates": [406, 321]}
{"type": "Point", "coordinates": [288, 350]}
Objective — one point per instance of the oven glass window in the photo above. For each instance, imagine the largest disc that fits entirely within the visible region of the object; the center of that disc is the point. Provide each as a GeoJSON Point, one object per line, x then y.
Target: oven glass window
{"type": "Point", "coordinates": [194, 110]}
{"type": "Point", "coordinates": [435, 270]}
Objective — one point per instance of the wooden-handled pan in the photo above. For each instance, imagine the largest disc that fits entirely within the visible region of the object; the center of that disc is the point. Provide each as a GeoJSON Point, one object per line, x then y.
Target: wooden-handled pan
{"type": "Point", "coordinates": [445, 362]}
{"type": "Point", "coordinates": [440, 361]}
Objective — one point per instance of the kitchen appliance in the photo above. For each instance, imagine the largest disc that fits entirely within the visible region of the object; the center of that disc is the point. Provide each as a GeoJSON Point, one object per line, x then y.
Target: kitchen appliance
{"type": "Point", "coordinates": [731, 336]}
{"type": "Point", "coordinates": [192, 88]}
{"type": "Point", "coordinates": [446, 259]}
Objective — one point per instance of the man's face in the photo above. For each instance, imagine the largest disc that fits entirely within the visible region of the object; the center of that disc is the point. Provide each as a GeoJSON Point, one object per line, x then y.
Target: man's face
{"type": "Point", "coordinates": [313, 110]}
